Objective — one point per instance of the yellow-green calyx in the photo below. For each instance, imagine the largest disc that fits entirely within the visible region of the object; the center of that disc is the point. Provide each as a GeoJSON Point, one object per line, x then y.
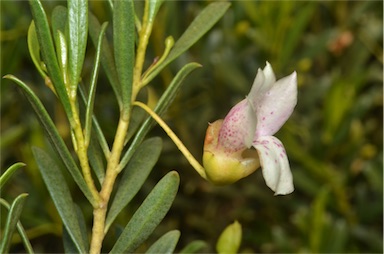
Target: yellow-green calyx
{"type": "Point", "coordinates": [222, 165]}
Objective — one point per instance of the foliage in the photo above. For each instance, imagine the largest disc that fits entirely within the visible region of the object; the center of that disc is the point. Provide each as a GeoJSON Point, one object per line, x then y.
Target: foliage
{"type": "Point", "coordinates": [14, 211]}
{"type": "Point", "coordinates": [57, 47]}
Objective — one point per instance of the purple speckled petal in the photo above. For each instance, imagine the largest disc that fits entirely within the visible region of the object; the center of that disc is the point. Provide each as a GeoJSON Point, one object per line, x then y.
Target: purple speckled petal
{"type": "Point", "coordinates": [275, 166]}
{"type": "Point", "coordinates": [275, 106]}
{"type": "Point", "coordinates": [238, 127]}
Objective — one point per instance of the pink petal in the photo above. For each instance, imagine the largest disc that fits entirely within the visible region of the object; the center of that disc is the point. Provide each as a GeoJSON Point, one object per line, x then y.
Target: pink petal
{"type": "Point", "coordinates": [275, 105]}
{"type": "Point", "coordinates": [275, 166]}
{"type": "Point", "coordinates": [238, 128]}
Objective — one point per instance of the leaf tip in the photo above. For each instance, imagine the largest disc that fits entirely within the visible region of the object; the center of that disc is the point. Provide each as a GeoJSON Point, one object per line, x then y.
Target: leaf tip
{"type": "Point", "coordinates": [20, 164]}
{"type": "Point", "coordinates": [175, 175]}
{"type": "Point", "coordinates": [7, 76]}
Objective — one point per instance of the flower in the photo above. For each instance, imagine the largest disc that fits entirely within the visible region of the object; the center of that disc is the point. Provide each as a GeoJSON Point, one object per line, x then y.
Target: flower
{"type": "Point", "coordinates": [241, 143]}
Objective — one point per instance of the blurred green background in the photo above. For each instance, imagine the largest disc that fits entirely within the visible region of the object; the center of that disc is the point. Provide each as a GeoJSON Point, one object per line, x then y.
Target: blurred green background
{"type": "Point", "coordinates": [334, 139]}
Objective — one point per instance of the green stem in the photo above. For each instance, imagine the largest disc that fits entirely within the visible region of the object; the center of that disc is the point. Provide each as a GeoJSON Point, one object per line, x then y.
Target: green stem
{"type": "Point", "coordinates": [169, 42]}
{"type": "Point", "coordinates": [144, 34]}
{"type": "Point", "coordinates": [100, 212]}
{"type": "Point", "coordinates": [191, 159]}
{"type": "Point", "coordinates": [81, 150]}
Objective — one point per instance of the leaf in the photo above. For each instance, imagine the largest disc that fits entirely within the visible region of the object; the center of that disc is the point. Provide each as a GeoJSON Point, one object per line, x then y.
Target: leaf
{"type": "Point", "coordinates": [96, 159]}
{"type": "Point", "coordinates": [59, 25]}
{"type": "Point", "coordinates": [49, 56]}
{"type": "Point", "coordinates": [230, 239]}
{"type": "Point", "coordinates": [92, 92]}
{"type": "Point", "coordinates": [194, 247]}
{"type": "Point", "coordinates": [61, 196]}
{"type": "Point", "coordinates": [77, 40]}
{"type": "Point", "coordinates": [199, 26]}
{"type": "Point", "coordinates": [9, 172]}
{"type": "Point", "coordinates": [149, 214]}
{"type": "Point", "coordinates": [107, 59]}
{"type": "Point", "coordinates": [53, 136]}
{"type": "Point", "coordinates": [62, 54]}
{"type": "Point", "coordinates": [59, 22]}
{"type": "Point", "coordinates": [134, 176]}
{"type": "Point", "coordinates": [154, 6]}
{"type": "Point", "coordinates": [20, 229]}
{"type": "Point", "coordinates": [164, 102]}
{"type": "Point", "coordinates": [165, 244]}
{"type": "Point", "coordinates": [69, 245]}
{"type": "Point", "coordinates": [34, 49]}
{"type": "Point", "coordinates": [11, 222]}
{"type": "Point", "coordinates": [124, 45]}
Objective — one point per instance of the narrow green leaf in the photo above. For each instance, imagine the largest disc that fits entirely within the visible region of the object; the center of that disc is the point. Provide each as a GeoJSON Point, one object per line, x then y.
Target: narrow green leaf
{"type": "Point", "coordinates": [194, 247]}
{"type": "Point", "coordinates": [92, 92]}
{"type": "Point", "coordinates": [77, 39]}
{"type": "Point", "coordinates": [124, 45]}
{"type": "Point", "coordinates": [154, 6]}
{"type": "Point", "coordinates": [134, 176]}
{"type": "Point", "coordinates": [59, 30]}
{"type": "Point", "coordinates": [20, 229]}
{"type": "Point", "coordinates": [59, 20]}
{"type": "Point", "coordinates": [9, 172]}
{"type": "Point", "coordinates": [62, 53]}
{"type": "Point", "coordinates": [11, 222]}
{"type": "Point", "coordinates": [107, 59]}
{"type": "Point", "coordinates": [149, 214]}
{"type": "Point", "coordinates": [69, 245]}
{"type": "Point", "coordinates": [61, 196]}
{"type": "Point", "coordinates": [95, 155]}
{"type": "Point", "coordinates": [49, 56]}
{"type": "Point", "coordinates": [164, 102]}
{"type": "Point", "coordinates": [53, 136]}
{"type": "Point", "coordinates": [24, 238]}
{"type": "Point", "coordinates": [34, 49]}
{"type": "Point", "coordinates": [199, 26]}
{"type": "Point", "coordinates": [165, 244]}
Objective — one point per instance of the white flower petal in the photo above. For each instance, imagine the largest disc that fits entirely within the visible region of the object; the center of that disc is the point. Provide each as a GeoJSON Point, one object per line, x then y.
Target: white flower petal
{"type": "Point", "coordinates": [275, 106]}
{"type": "Point", "coordinates": [258, 89]}
{"type": "Point", "coordinates": [269, 74]}
{"type": "Point", "coordinates": [238, 128]}
{"type": "Point", "coordinates": [264, 81]}
{"type": "Point", "coordinates": [275, 166]}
